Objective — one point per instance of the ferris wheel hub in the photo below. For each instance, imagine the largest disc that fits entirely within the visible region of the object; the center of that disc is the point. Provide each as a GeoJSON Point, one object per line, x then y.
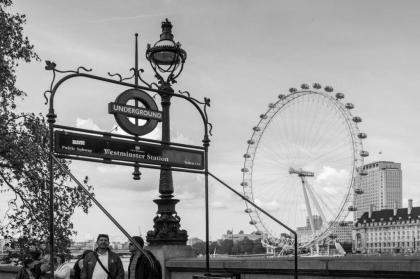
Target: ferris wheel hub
{"type": "Point", "coordinates": [301, 172]}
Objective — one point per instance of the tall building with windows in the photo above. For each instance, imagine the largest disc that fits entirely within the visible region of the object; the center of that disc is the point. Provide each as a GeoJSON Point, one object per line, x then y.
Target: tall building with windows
{"type": "Point", "coordinates": [381, 187]}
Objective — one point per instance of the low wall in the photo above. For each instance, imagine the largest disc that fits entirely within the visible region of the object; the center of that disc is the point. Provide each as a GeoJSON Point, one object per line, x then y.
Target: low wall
{"type": "Point", "coordinates": [8, 272]}
{"type": "Point", "coordinates": [309, 267]}
{"type": "Point", "coordinates": [352, 267]}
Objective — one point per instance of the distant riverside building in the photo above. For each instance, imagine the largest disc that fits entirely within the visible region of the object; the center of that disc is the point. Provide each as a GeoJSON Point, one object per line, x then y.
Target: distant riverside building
{"type": "Point", "coordinates": [394, 230]}
{"type": "Point", "coordinates": [342, 231]}
{"type": "Point", "coordinates": [381, 186]}
{"type": "Point", "coordinates": [241, 236]}
{"type": "Point", "coordinates": [305, 233]}
{"type": "Point", "coordinates": [193, 240]}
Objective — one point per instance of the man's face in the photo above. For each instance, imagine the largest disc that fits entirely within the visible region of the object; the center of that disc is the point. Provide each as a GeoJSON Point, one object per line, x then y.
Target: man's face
{"type": "Point", "coordinates": [102, 242]}
{"type": "Point", "coordinates": [43, 246]}
{"type": "Point", "coordinates": [131, 247]}
{"type": "Point", "coordinates": [32, 247]}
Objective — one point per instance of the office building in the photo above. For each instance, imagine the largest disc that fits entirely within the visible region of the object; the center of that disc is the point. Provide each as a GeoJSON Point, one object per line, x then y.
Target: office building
{"type": "Point", "coordinates": [381, 186]}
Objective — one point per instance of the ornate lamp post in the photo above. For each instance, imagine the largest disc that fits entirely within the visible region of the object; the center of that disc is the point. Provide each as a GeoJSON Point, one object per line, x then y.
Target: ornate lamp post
{"type": "Point", "coordinates": [167, 60]}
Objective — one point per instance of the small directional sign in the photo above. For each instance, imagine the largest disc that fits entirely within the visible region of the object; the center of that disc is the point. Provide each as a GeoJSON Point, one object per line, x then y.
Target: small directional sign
{"type": "Point", "coordinates": [84, 145]}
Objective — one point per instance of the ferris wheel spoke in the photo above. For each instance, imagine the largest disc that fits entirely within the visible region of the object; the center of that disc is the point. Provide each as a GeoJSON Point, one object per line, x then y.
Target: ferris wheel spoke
{"type": "Point", "coordinates": [274, 155]}
{"type": "Point", "coordinates": [330, 124]}
{"type": "Point", "coordinates": [325, 137]}
{"type": "Point", "coordinates": [316, 121]}
{"type": "Point", "coordinates": [314, 118]}
{"type": "Point", "coordinates": [334, 151]}
{"type": "Point", "coordinates": [327, 205]}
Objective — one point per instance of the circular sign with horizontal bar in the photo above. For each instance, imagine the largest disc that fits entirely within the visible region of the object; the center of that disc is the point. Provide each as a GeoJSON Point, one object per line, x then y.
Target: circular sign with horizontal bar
{"type": "Point", "coordinates": [148, 111]}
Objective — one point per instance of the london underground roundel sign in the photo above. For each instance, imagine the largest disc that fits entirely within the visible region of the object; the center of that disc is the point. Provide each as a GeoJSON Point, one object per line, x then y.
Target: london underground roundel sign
{"type": "Point", "coordinates": [148, 111]}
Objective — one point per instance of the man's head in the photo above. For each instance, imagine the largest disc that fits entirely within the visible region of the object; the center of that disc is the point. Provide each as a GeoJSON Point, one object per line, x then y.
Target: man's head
{"type": "Point", "coordinates": [102, 241]}
{"type": "Point", "coordinates": [139, 241]}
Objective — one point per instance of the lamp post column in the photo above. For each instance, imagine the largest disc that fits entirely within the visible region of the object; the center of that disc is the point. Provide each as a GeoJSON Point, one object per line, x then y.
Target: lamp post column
{"type": "Point", "coordinates": [166, 228]}
{"type": "Point", "coordinates": [166, 187]}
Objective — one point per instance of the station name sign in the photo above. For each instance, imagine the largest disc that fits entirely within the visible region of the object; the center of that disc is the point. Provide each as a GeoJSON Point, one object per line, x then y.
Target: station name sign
{"type": "Point", "coordinates": [124, 150]}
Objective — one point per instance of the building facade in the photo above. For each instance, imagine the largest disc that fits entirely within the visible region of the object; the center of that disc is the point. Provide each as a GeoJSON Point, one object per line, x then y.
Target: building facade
{"type": "Point", "coordinates": [381, 187]}
{"type": "Point", "coordinates": [236, 237]}
{"type": "Point", "coordinates": [305, 233]}
{"type": "Point", "coordinates": [343, 231]}
{"type": "Point", "coordinates": [388, 231]}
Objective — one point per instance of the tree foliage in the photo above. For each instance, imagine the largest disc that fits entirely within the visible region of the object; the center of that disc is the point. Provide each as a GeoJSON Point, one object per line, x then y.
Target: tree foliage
{"type": "Point", "coordinates": [230, 247]}
{"type": "Point", "coordinates": [24, 152]}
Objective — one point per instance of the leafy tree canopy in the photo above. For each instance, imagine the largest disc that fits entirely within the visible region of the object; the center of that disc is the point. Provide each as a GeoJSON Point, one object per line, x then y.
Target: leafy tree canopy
{"type": "Point", "coordinates": [24, 153]}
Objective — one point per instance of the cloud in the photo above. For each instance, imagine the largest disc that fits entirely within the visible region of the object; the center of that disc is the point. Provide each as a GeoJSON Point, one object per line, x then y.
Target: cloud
{"type": "Point", "coordinates": [181, 138]}
{"type": "Point", "coordinates": [87, 124]}
{"type": "Point", "coordinates": [111, 19]}
{"type": "Point", "coordinates": [156, 134]}
{"type": "Point", "coordinates": [218, 205]}
{"type": "Point", "coordinates": [331, 180]}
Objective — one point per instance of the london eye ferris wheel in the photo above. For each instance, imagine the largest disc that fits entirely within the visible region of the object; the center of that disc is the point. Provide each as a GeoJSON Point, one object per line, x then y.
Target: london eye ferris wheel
{"type": "Point", "coordinates": [302, 163]}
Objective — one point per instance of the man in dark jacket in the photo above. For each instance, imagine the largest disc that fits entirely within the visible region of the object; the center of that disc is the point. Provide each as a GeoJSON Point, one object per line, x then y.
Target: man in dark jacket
{"type": "Point", "coordinates": [102, 263]}
{"type": "Point", "coordinates": [139, 267]}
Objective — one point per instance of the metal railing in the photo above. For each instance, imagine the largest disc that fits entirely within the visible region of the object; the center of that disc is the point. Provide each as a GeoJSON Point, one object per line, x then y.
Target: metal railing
{"type": "Point", "coordinates": [267, 214]}
{"type": "Point", "coordinates": [80, 185]}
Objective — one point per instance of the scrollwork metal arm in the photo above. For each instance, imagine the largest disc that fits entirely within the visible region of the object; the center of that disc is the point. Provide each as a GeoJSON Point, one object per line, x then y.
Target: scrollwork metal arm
{"type": "Point", "coordinates": [201, 106]}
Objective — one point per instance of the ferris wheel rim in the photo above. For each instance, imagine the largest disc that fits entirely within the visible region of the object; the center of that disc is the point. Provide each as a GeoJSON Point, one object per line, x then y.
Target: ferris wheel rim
{"type": "Point", "coordinates": [264, 123]}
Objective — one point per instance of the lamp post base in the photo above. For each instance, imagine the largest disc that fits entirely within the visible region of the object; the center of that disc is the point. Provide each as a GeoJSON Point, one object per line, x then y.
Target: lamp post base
{"type": "Point", "coordinates": [166, 228]}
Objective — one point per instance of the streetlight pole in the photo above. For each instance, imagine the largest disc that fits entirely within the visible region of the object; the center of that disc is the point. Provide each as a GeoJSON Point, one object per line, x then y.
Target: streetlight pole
{"type": "Point", "coordinates": [167, 59]}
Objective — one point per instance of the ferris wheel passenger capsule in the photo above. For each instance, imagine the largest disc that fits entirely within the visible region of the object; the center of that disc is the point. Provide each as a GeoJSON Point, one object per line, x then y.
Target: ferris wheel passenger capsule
{"type": "Point", "coordinates": [364, 153]}
{"type": "Point", "coordinates": [357, 119]}
{"type": "Point", "coordinates": [352, 208]}
{"type": "Point", "coordinates": [304, 86]}
{"type": "Point", "coordinates": [244, 184]}
{"type": "Point", "coordinates": [246, 155]}
{"type": "Point", "coordinates": [252, 222]}
{"type": "Point", "coordinates": [363, 172]}
{"type": "Point", "coordinates": [339, 96]}
{"type": "Point", "coordinates": [248, 210]}
{"type": "Point", "coordinates": [358, 191]}
{"type": "Point", "coordinates": [328, 88]}
{"type": "Point", "coordinates": [349, 106]}
{"type": "Point", "coordinates": [263, 116]}
{"type": "Point", "coordinates": [250, 141]}
{"type": "Point", "coordinates": [361, 135]}
{"type": "Point", "coordinates": [271, 105]}
{"type": "Point", "coordinates": [244, 170]}
{"type": "Point", "coordinates": [316, 85]}
{"type": "Point", "coordinates": [282, 96]}
{"type": "Point", "coordinates": [256, 129]}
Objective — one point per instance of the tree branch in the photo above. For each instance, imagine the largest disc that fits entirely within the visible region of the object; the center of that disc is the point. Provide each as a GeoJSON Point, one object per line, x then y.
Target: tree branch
{"type": "Point", "coordinates": [27, 204]}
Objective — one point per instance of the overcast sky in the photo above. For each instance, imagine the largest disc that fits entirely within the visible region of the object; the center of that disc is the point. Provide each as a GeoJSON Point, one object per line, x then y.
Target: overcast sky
{"type": "Point", "coordinates": [241, 54]}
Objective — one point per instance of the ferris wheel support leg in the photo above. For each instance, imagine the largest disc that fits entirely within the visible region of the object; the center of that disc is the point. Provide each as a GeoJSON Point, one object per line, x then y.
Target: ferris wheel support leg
{"type": "Point", "coordinates": [308, 206]}
{"type": "Point", "coordinates": [318, 208]}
